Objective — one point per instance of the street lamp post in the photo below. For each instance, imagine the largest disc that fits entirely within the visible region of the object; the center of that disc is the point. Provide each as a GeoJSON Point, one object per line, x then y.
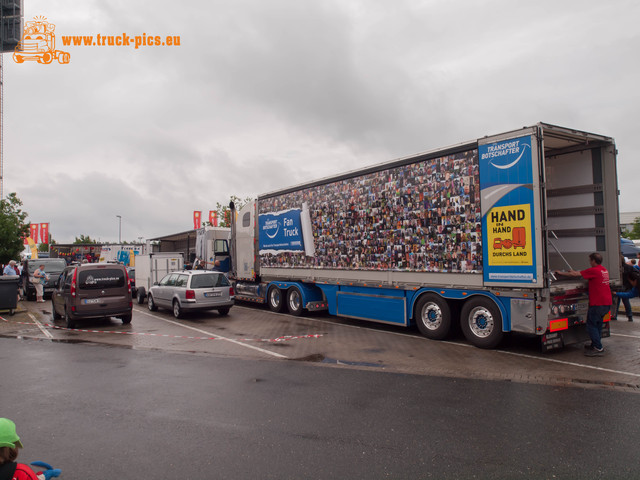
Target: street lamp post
{"type": "Point", "coordinates": [119, 228]}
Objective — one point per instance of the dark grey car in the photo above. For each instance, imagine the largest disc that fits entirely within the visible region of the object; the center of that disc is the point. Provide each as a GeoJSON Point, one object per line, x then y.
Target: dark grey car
{"type": "Point", "coordinates": [52, 266]}
{"type": "Point", "coordinates": [92, 290]}
{"type": "Point", "coordinates": [192, 290]}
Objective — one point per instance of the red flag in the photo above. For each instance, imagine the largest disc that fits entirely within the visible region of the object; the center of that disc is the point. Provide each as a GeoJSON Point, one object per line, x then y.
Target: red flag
{"type": "Point", "coordinates": [213, 218]}
{"type": "Point", "coordinates": [44, 232]}
{"type": "Point", "coordinates": [197, 221]}
{"type": "Point", "coordinates": [34, 232]}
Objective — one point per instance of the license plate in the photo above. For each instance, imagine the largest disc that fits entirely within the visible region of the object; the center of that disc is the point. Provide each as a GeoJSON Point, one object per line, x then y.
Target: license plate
{"type": "Point", "coordinates": [87, 301]}
{"type": "Point", "coordinates": [213, 294]}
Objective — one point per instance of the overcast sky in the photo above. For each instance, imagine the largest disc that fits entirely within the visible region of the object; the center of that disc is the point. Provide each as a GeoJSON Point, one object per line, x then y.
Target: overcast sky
{"type": "Point", "coordinates": [265, 94]}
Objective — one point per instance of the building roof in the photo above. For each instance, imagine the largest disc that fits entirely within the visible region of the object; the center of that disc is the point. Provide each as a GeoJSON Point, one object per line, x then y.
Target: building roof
{"type": "Point", "coordinates": [627, 218]}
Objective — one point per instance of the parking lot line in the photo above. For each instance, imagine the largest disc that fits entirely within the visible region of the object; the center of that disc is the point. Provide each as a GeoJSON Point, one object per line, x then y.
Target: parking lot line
{"type": "Point", "coordinates": [274, 354]}
{"type": "Point", "coordinates": [40, 326]}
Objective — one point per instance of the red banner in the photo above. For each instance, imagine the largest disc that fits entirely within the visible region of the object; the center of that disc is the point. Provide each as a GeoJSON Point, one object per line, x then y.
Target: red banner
{"type": "Point", "coordinates": [197, 220]}
{"type": "Point", "coordinates": [44, 232]}
{"type": "Point", "coordinates": [213, 218]}
{"type": "Point", "coordinates": [25, 241]}
{"type": "Point", "coordinates": [34, 232]}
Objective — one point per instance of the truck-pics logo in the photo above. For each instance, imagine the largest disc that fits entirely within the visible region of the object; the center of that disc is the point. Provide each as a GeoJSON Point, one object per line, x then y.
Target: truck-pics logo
{"type": "Point", "coordinates": [39, 43]}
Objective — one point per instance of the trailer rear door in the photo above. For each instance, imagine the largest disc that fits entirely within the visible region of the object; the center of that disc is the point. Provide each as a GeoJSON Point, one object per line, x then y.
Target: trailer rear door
{"type": "Point", "coordinates": [511, 209]}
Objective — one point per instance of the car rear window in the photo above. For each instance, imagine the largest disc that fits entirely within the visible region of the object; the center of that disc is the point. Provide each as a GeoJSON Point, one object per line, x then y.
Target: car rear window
{"type": "Point", "coordinates": [209, 280]}
{"type": "Point", "coordinates": [101, 278]}
{"type": "Point", "coordinates": [51, 265]}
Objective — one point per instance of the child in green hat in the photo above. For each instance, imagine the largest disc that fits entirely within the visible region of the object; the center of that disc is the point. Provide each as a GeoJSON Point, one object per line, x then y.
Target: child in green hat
{"type": "Point", "coordinates": [9, 468]}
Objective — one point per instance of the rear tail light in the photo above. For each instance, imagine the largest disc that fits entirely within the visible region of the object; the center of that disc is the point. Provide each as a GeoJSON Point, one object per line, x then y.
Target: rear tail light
{"type": "Point", "coordinates": [128, 280]}
{"type": "Point", "coordinates": [73, 282]}
{"type": "Point", "coordinates": [191, 294]}
{"type": "Point", "coordinates": [231, 292]}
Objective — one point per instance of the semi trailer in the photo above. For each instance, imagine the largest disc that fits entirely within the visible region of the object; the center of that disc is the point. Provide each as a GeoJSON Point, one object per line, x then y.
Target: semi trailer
{"type": "Point", "coordinates": [468, 235]}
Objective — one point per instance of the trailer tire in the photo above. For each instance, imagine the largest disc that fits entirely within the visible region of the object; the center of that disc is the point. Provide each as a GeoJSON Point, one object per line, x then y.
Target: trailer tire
{"type": "Point", "coordinates": [481, 322]}
{"type": "Point", "coordinates": [274, 299]}
{"type": "Point", "coordinates": [141, 295]}
{"type": "Point", "coordinates": [294, 301]}
{"type": "Point", "coordinates": [433, 316]}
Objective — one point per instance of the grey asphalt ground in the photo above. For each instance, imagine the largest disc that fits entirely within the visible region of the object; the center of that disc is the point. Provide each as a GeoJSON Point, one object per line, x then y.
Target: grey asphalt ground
{"type": "Point", "coordinates": [108, 412]}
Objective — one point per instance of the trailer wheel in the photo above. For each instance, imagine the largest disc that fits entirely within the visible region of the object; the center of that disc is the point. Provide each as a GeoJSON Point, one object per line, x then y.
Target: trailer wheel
{"type": "Point", "coordinates": [433, 316]}
{"type": "Point", "coordinates": [275, 300]}
{"type": "Point", "coordinates": [294, 301]}
{"type": "Point", "coordinates": [481, 322]}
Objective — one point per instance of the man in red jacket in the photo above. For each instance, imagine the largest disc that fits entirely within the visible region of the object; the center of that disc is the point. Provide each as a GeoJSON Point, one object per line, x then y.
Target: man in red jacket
{"type": "Point", "coordinates": [599, 301]}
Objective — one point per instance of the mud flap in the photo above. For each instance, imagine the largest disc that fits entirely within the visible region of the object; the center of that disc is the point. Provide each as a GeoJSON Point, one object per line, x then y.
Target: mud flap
{"type": "Point", "coordinates": [576, 334]}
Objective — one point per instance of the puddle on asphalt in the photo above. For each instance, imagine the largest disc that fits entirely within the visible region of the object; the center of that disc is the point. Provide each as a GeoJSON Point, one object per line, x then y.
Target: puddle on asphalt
{"type": "Point", "coordinates": [320, 358]}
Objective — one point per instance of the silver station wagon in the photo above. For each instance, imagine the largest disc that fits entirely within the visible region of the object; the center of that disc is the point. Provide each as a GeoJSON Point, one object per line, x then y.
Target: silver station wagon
{"type": "Point", "coordinates": [192, 290]}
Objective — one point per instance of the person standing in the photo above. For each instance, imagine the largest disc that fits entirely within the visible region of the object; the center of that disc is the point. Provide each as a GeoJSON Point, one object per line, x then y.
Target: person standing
{"type": "Point", "coordinates": [627, 269]}
{"type": "Point", "coordinates": [41, 277]}
{"type": "Point", "coordinates": [599, 301]}
{"type": "Point", "coordinates": [10, 268]}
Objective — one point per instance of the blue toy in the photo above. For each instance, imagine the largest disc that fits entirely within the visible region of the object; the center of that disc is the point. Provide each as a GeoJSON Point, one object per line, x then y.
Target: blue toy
{"type": "Point", "coordinates": [50, 472]}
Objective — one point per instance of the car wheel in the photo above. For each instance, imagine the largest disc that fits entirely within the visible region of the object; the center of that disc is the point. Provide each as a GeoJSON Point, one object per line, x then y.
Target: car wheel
{"type": "Point", "coordinates": [56, 315]}
{"type": "Point", "coordinates": [140, 295]}
{"type": "Point", "coordinates": [481, 322]}
{"type": "Point", "coordinates": [126, 319]}
{"type": "Point", "coordinates": [69, 322]}
{"type": "Point", "coordinates": [433, 316]}
{"type": "Point", "coordinates": [294, 302]}
{"type": "Point", "coordinates": [224, 310]}
{"type": "Point", "coordinates": [275, 300]}
{"type": "Point", "coordinates": [177, 311]}
{"type": "Point", "coordinates": [151, 304]}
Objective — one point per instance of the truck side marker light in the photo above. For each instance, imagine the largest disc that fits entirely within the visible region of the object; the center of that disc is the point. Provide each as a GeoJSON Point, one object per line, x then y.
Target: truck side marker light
{"type": "Point", "coordinates": [559, 324]}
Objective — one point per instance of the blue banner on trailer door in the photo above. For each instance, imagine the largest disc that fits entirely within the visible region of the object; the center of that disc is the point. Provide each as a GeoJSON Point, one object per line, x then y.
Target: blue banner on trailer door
{"type": "Point", "coordinates": [507, 202]}
{"type": "Point", "coordinates": [280, 232]}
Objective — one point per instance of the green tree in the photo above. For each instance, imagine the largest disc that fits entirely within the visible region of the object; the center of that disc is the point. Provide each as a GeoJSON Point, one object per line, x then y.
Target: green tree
{"type": "Point", "coordinates": [43, 247]}
{"type": "Point", "coordinates": [634, 234]}
{"type": "Point", "coordinates": [84, 239]}
{"type": "Point", "coordinates": [13, 228]}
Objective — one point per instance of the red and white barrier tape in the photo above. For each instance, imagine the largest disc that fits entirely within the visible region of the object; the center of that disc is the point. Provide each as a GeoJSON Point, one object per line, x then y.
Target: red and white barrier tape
{"type": "Point", "coordinates": [284, 338]}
